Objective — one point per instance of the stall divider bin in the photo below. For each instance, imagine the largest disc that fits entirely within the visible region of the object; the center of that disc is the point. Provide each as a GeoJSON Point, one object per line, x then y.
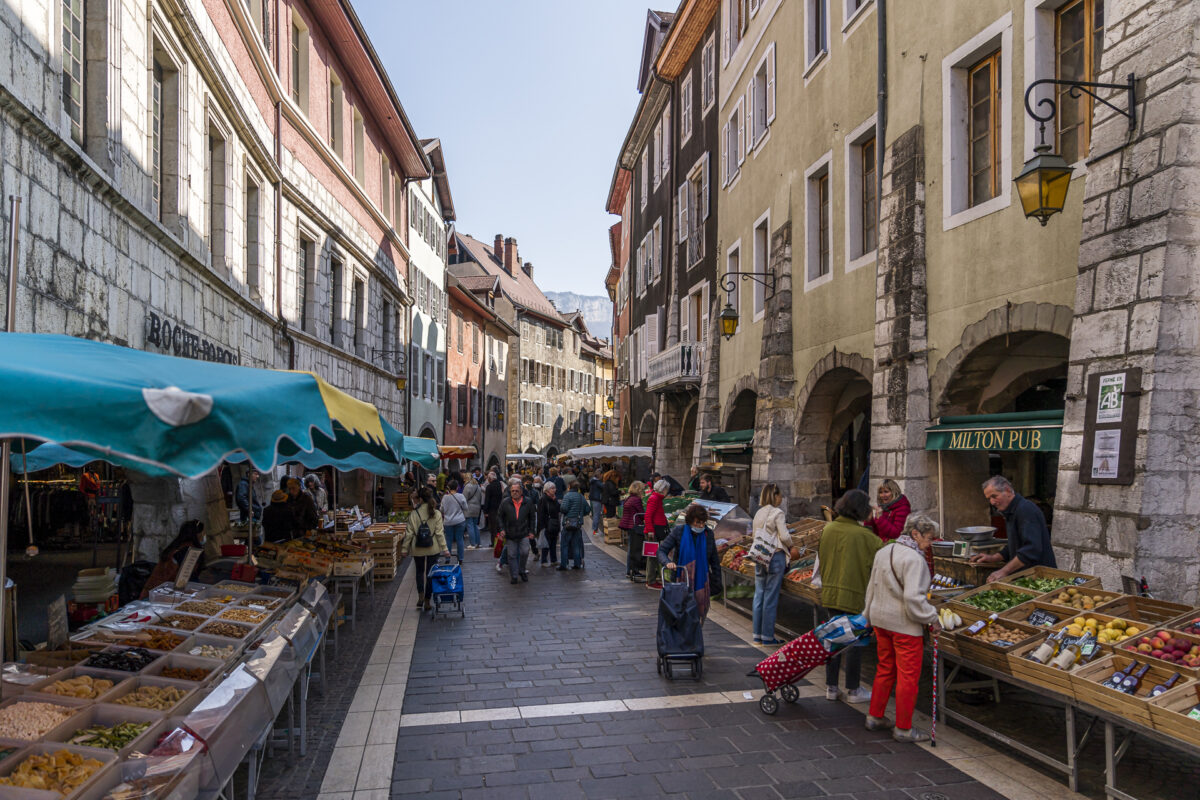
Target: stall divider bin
{"type": "Point", "coordinates": [108, 716]}
{"type": "Point", "coordinates": [1087, 680]}
{"type": "Point", "coordinates": [1169, 714]}
{"type": "Point", "coordinates": [191, 693]}
{"type": "Point", "coordinates": [211, 666]}
{"type": "Point", "coordinates": [107, 759]}
{"type": "Point", "coordinates": [117, 677]}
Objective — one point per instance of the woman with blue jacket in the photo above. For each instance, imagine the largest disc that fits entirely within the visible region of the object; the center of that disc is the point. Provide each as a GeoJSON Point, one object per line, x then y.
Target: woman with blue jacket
{"type": "Point", "coordinates": [691, 548]}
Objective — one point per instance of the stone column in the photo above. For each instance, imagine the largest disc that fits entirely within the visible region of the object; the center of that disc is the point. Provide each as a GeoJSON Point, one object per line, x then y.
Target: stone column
{"type": "Point", "coordinates": [1137, 306]}
{"type": "Point", "coordinates": [775, 412]}
{"type": "Point", "coordinates": [708, 411]}
{"type": "Point", "coordinates": [900, 384]}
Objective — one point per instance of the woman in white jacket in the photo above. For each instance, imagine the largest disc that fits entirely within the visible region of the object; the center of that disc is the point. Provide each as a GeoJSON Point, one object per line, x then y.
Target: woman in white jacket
{"type": "Point", "coordinates": [897, 607]}
{"type": "Point", "coordinates": [770, 524]}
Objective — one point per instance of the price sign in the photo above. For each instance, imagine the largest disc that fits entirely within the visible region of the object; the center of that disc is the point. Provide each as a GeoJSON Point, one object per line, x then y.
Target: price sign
{"type": "Point", "coordinates": [187, 567]}
{"type": "Point", "coordinates": [1002, 643]}
{"type": "Point", "coordinates": [58, 627]}
{"type": "Point", "coordinates": [1080, 581]}
{"type": "Point", "coordinates": [1042, 618]}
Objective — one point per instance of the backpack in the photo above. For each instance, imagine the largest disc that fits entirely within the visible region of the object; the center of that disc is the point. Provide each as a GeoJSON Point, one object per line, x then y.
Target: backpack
{"type": "Point", "coordinates": [424, 535]}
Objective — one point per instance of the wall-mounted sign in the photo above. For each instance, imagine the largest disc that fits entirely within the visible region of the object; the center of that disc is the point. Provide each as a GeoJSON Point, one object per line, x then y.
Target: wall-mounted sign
{"type": "Point", "coordinates": [187, 567]}
{"type": "Point", "coordinates": [1110, 427]}
{"type": "Point", "coordinates": [173, 338]}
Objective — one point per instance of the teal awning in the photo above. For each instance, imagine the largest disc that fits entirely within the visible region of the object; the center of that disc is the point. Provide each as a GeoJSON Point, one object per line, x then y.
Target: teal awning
{"type": "Point", "coordinates": [421, 450]}
{"type": "Point", "coordinates": [730, 441]}
{"type": "Point", "coordinates": [1030, 431]}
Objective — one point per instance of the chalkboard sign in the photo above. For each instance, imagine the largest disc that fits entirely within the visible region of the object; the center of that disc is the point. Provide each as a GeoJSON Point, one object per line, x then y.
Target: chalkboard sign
{"type": "Point", "coordinates": [59, 630]}
{"type": "Point", "coordinates": [1042, 618]}
{"type": "Point", "coordinates": [187, 567]}
{"type": "Point", "coordinates": [1110, 427]}
{"type": "Point", "coordinates": [1080, 581]}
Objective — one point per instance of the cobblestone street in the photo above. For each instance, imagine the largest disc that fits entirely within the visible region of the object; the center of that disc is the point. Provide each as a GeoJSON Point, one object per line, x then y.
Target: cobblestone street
{"type": "Point", "coordinates": [549, 689]}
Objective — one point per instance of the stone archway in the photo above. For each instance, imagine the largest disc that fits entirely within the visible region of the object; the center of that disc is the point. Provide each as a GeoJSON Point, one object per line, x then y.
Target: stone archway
{"type": "Point", "coordinates": [647, 429]}
{"type": "Point", "coordinates": [833, 430]}
{"type": "Point", "coordinates": [746, 383]}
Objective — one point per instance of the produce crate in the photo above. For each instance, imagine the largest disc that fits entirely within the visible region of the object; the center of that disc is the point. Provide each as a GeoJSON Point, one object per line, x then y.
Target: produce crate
{"type": "Point", "coordinates": [1148, 610]}
{"type": "Point", "coordinates": [1103, 619]}
{"type": "Point", "coordinates": [1077, 578]}
{"type": "Point", "coordinates": [383, 574]}
{"type": "Point", "coordinates": [1021, 613]}
{"type": "Point", "coordinates": [353, 567]}
{"type": "Point", "coordinates": [806, 533]}
{"type": "Point", "coordinates": [962, 571]}
{"type": "Point", "coordinates": [804, 590]}
{"type": "Point", "coordinates": [947, 640]}
{"type": "Point", "coordinates": [1086, 681]}
{"type": "Point", "coordinates": [1052, 678]}
{"type": "Point", "coordinates": [958, 603]}
{"type": "Point", "coordinates": [1191, 639]}
{"type": "Point", "coordinates": [1105, 597]}
{"type": "Point", "coordinates": [989, 655]}
{"type": "Point", "coordinates": [1168, 714]}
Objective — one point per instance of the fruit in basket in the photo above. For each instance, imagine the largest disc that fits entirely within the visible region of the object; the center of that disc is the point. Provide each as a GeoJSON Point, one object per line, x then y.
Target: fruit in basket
{"type": "Point", "coordinates": [1073, 598]}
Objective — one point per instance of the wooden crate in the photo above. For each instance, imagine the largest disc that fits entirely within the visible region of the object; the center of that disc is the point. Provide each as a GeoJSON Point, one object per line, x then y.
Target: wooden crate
{"type": "Point", "coordinates": [1086, 680]}
{"type": "Point", "coordinates": [804, 590]}
{"type": "Point", "coordinates": [1052, 678]}
{"type": "Point", "coordinates": [1050, 572]}
{"type": "Point", "coordinates": [962, 571]}
{"type": "Point", "coordinates": [947, 640]}
{"type": "Point", "coordinates": [1168, 713]}
{"type": "Point", "coordinates": [1148, 610]}
{"type": "Point", "coordinates": [806, 534]}
{"type": "Point", "coordinates": [382, 575]}
{"type": "Point", "coordinates": [1192, 672]}
{"type": "Point", "coordinates": [1102, 619]}
{"type": "Point", "coordinates": [958, 603]}
{"type": "Point", "coordinates": [989, 655]}
{"type": "Point", "coordinates": [1105, 597]}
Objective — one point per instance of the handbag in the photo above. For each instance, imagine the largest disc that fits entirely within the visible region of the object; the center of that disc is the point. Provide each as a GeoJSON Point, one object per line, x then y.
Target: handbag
{"type": "Point", "coordinates": [542, 541]}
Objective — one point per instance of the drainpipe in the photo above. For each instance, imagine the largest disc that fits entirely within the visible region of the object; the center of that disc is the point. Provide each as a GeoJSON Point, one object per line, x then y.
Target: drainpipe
{"type": "Point", "coordinates": [881, 108]}
{"type": "Point", "coordinates": [283, 326]}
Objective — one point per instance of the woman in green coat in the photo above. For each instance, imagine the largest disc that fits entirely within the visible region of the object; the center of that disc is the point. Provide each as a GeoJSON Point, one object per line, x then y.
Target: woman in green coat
{"type": "Point", "coordinates": [846, 554]}
{"type": "Point", "coordinates": [424, 555]}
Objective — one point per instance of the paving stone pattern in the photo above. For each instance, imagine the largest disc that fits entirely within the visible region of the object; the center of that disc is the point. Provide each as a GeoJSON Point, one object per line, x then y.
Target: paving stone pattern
{"type": "Point", "coordinates": [288, 779]}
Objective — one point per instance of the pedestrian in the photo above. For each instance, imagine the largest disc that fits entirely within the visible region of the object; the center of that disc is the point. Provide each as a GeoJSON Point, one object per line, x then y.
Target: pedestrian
{"type": "Point", "coordinates": [312, 485]}
{"type": "Point", "coordinates": [596, 498]}
{"type": "Point", "coordinates": [887, 518]}
{"type": "Point", "coordinates": [845, 556]}
{"type": "Point", "coordinates": [572, 512]}
{"type": "Point", "coordinates": [1028, 537]}
{"type": "Point", "coordinates": [516, 521]}
{"type": "Point", "coordinates": [634, 534]}
{"type": "Point", "coordinates": [709, 490]}
{"type": "Point", "coordinates": [694, 479]}
{"type": "Point", "coordinates": [454, 517]}
{"type": "Point", "coordinates": [424, 538]}
{"type": "Point", "coordinates": [770, 527]}
{"type": "Point", "coordinates": [441, 479]}
{"type": "Point", "coordinates": [611, 494]}
{"type": "Point", "coordinates": [548, 522]}
{"type": "Point", "coordinates": [558, 478]}
{"type": "Point", "coordinates": [656, 519]}
{"type": "Point", "coordinates": [897, 607]}
{"type": "Point", "coordinates": [246, 497]}
{"type": "Point", "coordinates": [493, 496]}
{"type": "Point", "coordinates": [691, 548]}
{"type": "Point", "coordinates": [473, 494]}
{"type": "Point", "coordinates": [304, 512]}
{"type": "Point", "coordinates": [277, 518]}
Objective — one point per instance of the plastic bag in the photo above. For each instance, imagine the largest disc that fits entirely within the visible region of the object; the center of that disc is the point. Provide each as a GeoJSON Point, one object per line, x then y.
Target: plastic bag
{"type": "Point", "coordinates": [842, 630]}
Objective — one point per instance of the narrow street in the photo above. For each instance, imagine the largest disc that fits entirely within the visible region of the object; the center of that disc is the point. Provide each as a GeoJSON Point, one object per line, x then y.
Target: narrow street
{"type": "Point", "coordinates": [549, 689]}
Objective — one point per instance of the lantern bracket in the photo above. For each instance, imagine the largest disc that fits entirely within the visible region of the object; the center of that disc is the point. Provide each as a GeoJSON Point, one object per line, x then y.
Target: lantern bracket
{"type": "Point", "coordinates": [1078, 88]}
{"type": "Point", "coordinates": [767, 279]}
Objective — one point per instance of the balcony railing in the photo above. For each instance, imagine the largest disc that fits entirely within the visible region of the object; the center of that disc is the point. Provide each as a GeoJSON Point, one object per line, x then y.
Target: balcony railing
{"type": "Point", "coordinates": [677, 365]}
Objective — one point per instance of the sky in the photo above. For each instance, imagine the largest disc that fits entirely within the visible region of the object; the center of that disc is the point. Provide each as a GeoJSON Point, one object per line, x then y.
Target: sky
{"type": "Point", "coordinates": [532, 100]}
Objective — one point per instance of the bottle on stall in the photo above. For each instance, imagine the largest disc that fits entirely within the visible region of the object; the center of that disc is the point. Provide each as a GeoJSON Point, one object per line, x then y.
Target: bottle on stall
{"type": "Point", "coordinates": [1132, 682]}
{"type": "Point", "coordinates": [1162, 687]}
{"type": "Point", "coordinates": [1049, 648]}
{"type": "Point", "coordinates": [1195, 712]}
{"type": "Point", "coordinates": [981, 624]}
{"type": "Point", "coordinates": [1117, 678]}
{"type": "Point", "coordinates": [1070, 654]}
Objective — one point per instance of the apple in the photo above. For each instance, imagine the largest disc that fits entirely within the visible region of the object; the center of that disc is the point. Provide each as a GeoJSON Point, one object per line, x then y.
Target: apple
{"type": "Point", "coordinates": [1143, 647]}
{"type": "Point", "coordinates": [1157, 653]}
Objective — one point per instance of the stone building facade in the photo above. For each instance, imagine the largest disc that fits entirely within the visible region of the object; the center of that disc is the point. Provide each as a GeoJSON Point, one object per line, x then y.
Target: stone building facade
{"type": "Point", "coordinates": [181, 173]}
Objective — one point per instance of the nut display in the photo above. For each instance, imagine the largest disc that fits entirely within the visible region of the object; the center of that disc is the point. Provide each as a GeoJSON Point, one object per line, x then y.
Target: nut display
{"type": "Point", "coordinates": [135, 659]}
{"type": "Point", "coordinates": [1000, 634]}
{"type": "Point", "coordinates": [84, 686]}
{"type": "Point", "coordinates": [270, 591]}
{"type": "Point", "coordinates": [209, 608]}
{"type": "Point", "coordinates": [160, 640]}
{"type": "Point", "coordinates": [158, 698]}
{"type": "Point", "coordinates": [226, 629]}
{"type": "Point", "coordinates": [109, 738]}
{"type": "Point", "coordinates": [185, 674]}
{"type": "Point", "coordinates": [236, 588]}
{"type": "Point", "coordinates": [211, 651]}
{"type": "Point", "coordinates": [29, 720]}
{"type": "Point", "coordinates": [260, 602]}
{"type": "Point", "coordinates": [61, 771]}
{"type": "Point", "coordinates": [182, 622]}
{"type": "Point", "coordinates": [245, 615]}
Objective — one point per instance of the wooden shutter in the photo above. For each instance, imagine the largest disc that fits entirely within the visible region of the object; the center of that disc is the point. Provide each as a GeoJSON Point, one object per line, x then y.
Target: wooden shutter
{"type": "Point", "coordinates": [741, 153]}
{"type": "Point", "coordinates": [702, 334]}
{"type": "Point", "coordinates": [724, 154]}
{"type": "Point", "coordinates": [771, 83]}
{"type": "Point", "coordinates": [651, 334]}
{"type": "Point", "coordinates": [751, 123]}
{"type": "Point", "coordinates": [682, 222]}
{"type": "Point", "coordinates": [703, 204]}
{"type": "Point", "coordinates": [685, 320]}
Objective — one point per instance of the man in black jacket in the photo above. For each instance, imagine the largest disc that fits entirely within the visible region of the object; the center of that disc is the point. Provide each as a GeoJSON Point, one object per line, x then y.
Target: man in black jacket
{"type": "Point", "coordinates": [493, 494]}
{"type": "Point", "coordinates": [517, 521]}
{"type": "Point", "coordinates": [596, 498]}
{"type": "Point", "coordinates": [1028, 536]}
{"type": "Point", "coordinates": [711, 491]}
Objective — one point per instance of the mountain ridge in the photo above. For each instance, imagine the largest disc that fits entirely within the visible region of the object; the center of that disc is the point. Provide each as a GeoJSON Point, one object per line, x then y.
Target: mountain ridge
{"type": "Point", "coordinates": [597, 310]}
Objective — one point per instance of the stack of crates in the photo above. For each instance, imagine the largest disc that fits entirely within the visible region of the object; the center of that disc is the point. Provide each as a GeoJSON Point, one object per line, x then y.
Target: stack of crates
{"type": "Point", "coordinates": [612, 533]}
{"type": "Point", "coordinates": [401, 502]}
{"type": "Point", "coordinates": [383, 541]}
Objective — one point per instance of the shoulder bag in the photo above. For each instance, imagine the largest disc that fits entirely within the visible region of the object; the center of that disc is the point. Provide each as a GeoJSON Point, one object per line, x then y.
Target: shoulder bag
{"type": "Point", "coordinates": [764, 547]}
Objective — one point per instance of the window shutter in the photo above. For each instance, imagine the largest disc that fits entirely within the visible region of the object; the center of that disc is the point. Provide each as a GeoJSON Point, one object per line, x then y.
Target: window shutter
{"type": "Point", "coordinates": [645, 177]}
{"type": "Point", "coordinates": [651, 334]}
{"type": "Point", "coordinates": [724, 157]}
{"type": "Point", "coordinates": [703, 204]}
{"type": "Point", "coordinates": [751, 123]}
{"type": "Point", "coordinates": [741, 132]}
{"type": "Point", "coordinates": [414, 378]}
{"type": "Point", "coordinates": [702, 334]}
{"type": "Point", "coordinates": [685, 334]}
{"type": "Point", "coordinates": [726, 31]}
{"type": "Point", "coordinates": [682, 222]}
{"type": "Point", "coordinates": [666, 142]}
{"type": "Point", "coordinates": [771, 83]}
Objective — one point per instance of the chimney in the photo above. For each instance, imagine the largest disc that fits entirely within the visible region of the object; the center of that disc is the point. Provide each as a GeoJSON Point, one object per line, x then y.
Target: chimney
{"type": "Point", "coordinates": [529, 269]}
{"type": "Point", "coordinates": [498, 248]}
{"type": "Point", "coordinates": [510, 255]}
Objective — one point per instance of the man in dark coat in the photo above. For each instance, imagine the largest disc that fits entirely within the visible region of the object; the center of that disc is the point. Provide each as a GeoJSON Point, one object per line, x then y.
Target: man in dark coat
{"type": "Point", "coordinates": [246, 497]}
{"type": "Point", "coordinates": [1028, 536]}
{"type": "Point", "coordinates": [517, 521]}
{"type": "Point", "coordinates": [493, 494]}
{"type": "Point", "coordinates": [709, 490]}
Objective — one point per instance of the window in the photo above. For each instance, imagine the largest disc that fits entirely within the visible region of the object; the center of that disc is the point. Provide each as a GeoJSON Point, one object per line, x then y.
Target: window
{"type": "Point", "coordinates": [299, 63]}
{"type": "Point", "coordinates": [385, 191]}
{"type": "Point", "coordinates": [260, 13]}
{"type": "Point", "coordinates": [708, 75]}
{"type": "Point", "coordinates": [693, 316]}
{"type": "Point", "coordinates": [853, 7]}
{"type": "Point", "coordinates": [305, 258]}
{"type": "Point", "coordinates": [762, 256]}
{"type": "Point", "coordinates": [685, 109]}
{"type": "Point", "coordinates": [337, 102]}
{"type": "Point", "coordinates": [656, 156]}
{"type": "Point", "coordinates": [693, 211]}
{"type": "Point", "coordinates": [868, 197]}
{"type": "Point", "coordinates": [656, 249]}
{"type": "Point", "coordinates": [816, 36]}
{"type": "Point", "coordinates": [253, 236]}
{"type": "Point", "coordinates": [645, 177]}
{"type": "Point", "coordinates": [358, 314]}
{"type": "Point", "coordinates": [862, 202]}
{"type": "Point", "coordinates": [737, 17]}
{"type": "Point", "coordinates": [462, 405]}
{"type": "Point", "coordinates": [817, 222]}
{"type": "Point", "coordinates": [389, 335]}
{"type": "Point", "coordinates": [983, 138]}
{"type": "Point", "coordinates": [733, 137]}
{"type": "Point", "coordinates": [214, 166]}
{"type": "Point", "coordinates": [664, 155]}
{"type": "Point", "coordinates": [398, 207]}
{"type": "Point", "coordinates": [335, 301]}
{"type": "Point", "coordinates": [474, 343]}
{"type": "Point", "coordinates": [164, 137]}
{"type": "Point", "coordinates": [72, 64]}
{"type": "Point", "coordinates": [1078, 44]}
{"type": "Point", "coordinates": [360, 149]}
{"type": "Point", "coordinates": [414, 366]}
{"type": "Point", "coordinates": [761, 102]}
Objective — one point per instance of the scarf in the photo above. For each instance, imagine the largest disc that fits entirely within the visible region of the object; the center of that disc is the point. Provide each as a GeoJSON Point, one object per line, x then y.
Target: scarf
{"type": "Point", "coordinates": [908, 541]}
{"type": "Point", "coordinates": [690, 544]}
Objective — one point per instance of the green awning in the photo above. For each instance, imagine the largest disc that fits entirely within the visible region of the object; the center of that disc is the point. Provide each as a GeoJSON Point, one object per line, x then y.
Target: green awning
{"type": "Point", "coordinates": [730, 441]}
{"type": "Point", "coordinates": [1031, 431]}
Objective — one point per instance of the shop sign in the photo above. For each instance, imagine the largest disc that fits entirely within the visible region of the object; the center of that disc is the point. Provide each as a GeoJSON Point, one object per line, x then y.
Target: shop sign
{"type": "Point", "coordinates": [1017, 439]}
{"type": "Point", "coordinates": [1110, 427]}
{"type": "Point", "coordinates": [173, 338]}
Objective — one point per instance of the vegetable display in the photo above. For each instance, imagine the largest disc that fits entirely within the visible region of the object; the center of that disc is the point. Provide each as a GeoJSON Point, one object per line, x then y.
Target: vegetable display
{"type": "Point", "coordinates": [996, 599]}
{"type": "Point", "coordinates": [1041, 585]}
{"type": "Point", "coordinates": [109, 738]}
{"type": "Point", "coordinates": [948, 619]}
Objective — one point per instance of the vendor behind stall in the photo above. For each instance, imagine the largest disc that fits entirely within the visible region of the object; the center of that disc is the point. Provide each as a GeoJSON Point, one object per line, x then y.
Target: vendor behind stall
{"type": "Point", "coordinates": [709, 490]}
{"type": "Point", "coordinates": [1028, 537]}
{"type": "Point", "coordinates": [277, 519]}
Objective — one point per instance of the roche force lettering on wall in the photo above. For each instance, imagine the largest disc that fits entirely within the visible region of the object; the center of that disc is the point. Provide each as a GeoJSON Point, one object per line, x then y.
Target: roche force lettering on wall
{"type": "Point", "coordinates": [173, 338]}
{"type": "Point", "coordinates": [1025, 439]}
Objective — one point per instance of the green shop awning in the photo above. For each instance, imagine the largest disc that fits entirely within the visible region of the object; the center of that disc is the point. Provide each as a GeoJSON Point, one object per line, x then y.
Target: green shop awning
{"type": "Point", "coordinates": [730, 441]}
{"type": "Point", "coordinates": [1032, 431]}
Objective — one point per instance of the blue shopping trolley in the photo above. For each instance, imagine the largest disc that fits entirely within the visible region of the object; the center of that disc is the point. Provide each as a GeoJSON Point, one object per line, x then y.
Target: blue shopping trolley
{"type": "Point", "coordinates": [446, 582]}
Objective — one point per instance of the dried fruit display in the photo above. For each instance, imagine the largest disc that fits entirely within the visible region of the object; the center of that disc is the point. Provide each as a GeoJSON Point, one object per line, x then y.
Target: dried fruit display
{"type": "Point", "coordinates": [185, 674]}
{"type": "Point", "coordinates": [263, 602]}
{"type": "Point", "coordinates": [135, 659]}
{"type": "Point", "coordinates": [236, 588]}
{"type": "Point", "coordinates": [226, 629]}
{"type": "Point", "coordinates": [109, 737]}
{"type": "Point", "coordinates": [61, 771]}
{"type": "Point", "coordinates": [183, 622]}
{"type": "Point", "coordinates": [245, 615]}
{"type": "Point", "coordinates": [211, 651]}
{"type": "Point", "coordinates": [158, 698]}
{"type": "Point", "coordinates": [164, 641]}
{"type": "Point", "coordinates": [209, 608]}
{"type": "Point", "coordinates": [29, 720]}
{"type": "Point", "coordinates": [84, 686]}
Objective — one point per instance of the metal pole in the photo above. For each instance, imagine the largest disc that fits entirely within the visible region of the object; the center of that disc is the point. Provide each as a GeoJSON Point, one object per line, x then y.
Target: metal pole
{"type": "Point", "coordinates": [941, 496]}
{"type": "Point", "coordinates": [10, 325]}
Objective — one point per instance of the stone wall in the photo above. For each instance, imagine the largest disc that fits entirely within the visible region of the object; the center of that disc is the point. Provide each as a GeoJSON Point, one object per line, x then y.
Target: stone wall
{"type": "Point", "coordinates": [1137, 306]}
{"type": "Point", "coordinates": [775, 413]}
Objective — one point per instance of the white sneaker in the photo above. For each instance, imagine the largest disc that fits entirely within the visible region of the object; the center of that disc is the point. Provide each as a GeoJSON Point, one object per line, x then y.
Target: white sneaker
{"type": "Point", "coordinates": [497, 566]}
{"type": "Point", "coordinates": [832, 693]}
{"type": "Point", "coordinates": [859, 695]}
{"type": "Point", "coordinates": [472, 547]}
